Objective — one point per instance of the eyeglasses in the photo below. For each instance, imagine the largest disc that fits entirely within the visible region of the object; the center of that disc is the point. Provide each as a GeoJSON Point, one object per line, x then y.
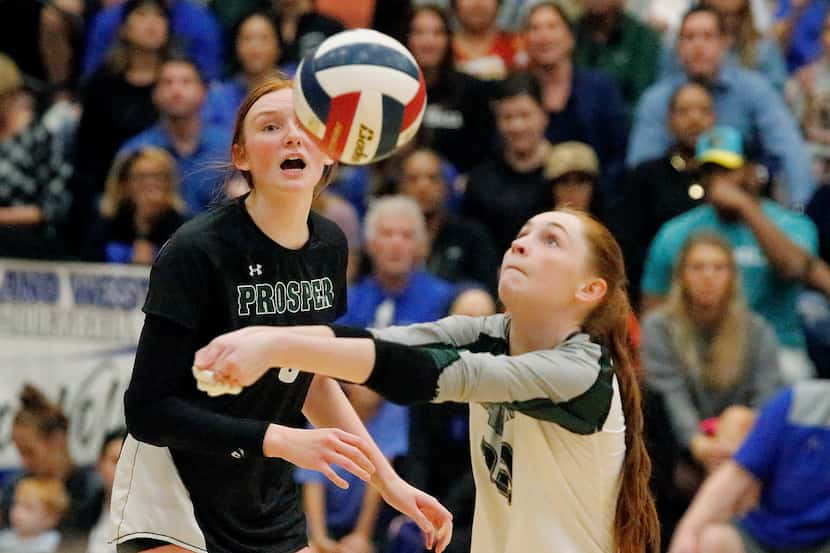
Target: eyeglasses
{"type": "Point", "coordinates": [149, 176]}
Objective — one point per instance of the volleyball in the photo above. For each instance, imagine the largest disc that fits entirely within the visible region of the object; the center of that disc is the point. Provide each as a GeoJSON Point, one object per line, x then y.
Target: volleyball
{"type": "Point", "coordinates": [361, 95]}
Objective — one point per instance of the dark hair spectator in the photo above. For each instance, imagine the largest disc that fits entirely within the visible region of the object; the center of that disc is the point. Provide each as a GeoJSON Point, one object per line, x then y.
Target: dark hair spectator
{"type": "Point", "coordinates": [743, 99]}
{"type": "Point", "coordinates": [457, 122]}
{"type": "Point", "coordinates": [460, 249]}
{"type": "Point", "coordinates": [39, 432]}
{"type": "Point", "coordinates": [198, 147]}
{"type": "Point", "coordinates": [193, 25]}
{"type": "Point", "coordinates": [479, 47]}
{"type": "Point", "coordinates": [117, 102]}
{"type": "Point", "coordinates": [585, 105]}
{"type": "Point", "coordinates": [34, 198]}
{"type": "Point", "coordinates": [610, 39]}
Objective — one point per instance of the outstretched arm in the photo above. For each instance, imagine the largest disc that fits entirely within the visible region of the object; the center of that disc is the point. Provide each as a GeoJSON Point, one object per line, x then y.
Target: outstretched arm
{"type": "Point", "coordinates": [729, 491]}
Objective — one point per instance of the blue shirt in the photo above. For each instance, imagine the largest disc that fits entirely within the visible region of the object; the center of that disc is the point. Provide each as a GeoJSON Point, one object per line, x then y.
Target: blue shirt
{"type": "Point", "coordinates": [425, 298]}
{"type": "Point", "coordinates": [595, 113]}
{"type": "Point", "coordinates": [767, 294]}
{"type": "Point", "coordinates": [389, 427]}
{"type": "Point", "coordinates": [202, 173]}
{"type": "Point", "coordinates": [223, 99]}
{"type": "Point", "coordinates": [191, 25]}
{"type": "Point", "coordinates": [744, 100]}
{"type": "Point", "coordinates": [788, 451]}
{"type": "Point", "coordinates": [805, 41]}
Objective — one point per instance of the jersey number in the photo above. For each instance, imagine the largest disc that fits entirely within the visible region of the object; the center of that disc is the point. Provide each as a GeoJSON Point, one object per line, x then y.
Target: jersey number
{"type": "Point", "coordinates": [500, 465]}
{"type": "Point", "coordinates": [288, 375]}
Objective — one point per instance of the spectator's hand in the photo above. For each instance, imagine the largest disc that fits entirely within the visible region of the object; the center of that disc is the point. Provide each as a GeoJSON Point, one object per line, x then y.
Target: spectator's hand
{"type": "Point", "coordinates": [709, 451]}
{"type": "Point", "coordinates": [318, 449]}
{"type": "Point", "coordinates": [324, 544]}
{"type": "Point", "coordinates": [724, 192]}
{"type": "Point", "coordinates": [434, 520]}
{"type": "Point", "coordinates": [356, 543]}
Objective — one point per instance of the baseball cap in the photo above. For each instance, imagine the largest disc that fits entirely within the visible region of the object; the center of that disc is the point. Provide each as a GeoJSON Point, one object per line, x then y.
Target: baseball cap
{"type": "Point", "coordinates": [10, 78]}
{"type": "Point", "coordinates": [721, 145]}
{"type": "Point", "coordinates": [571, 157]}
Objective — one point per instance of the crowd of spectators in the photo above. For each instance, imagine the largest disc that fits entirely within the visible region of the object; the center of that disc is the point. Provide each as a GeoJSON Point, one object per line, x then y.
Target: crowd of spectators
{"type": "Point", "coordinates": [698, 132]}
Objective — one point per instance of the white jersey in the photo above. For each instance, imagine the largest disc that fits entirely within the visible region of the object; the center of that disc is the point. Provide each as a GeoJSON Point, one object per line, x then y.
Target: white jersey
{"type": "Point", "coordinates": [547, 434]}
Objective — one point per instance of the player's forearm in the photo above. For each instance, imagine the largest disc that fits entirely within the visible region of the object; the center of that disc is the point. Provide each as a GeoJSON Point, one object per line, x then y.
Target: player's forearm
{"type": "Point", "coordinates": [156, 407]}
{"type": "Point", "coordinates": [349, 359]}
{"type": "Point", "coordinates": [719, 499]}
{"type": "Point", "coordinates": [327, 406]}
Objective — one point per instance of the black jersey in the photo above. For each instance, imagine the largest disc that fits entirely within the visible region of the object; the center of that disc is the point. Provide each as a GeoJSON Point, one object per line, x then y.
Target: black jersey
{"type": "Point", "coordinates": [218, 273]}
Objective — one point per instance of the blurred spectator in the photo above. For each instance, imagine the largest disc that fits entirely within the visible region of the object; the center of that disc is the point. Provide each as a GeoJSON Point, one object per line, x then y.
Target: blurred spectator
{"type": "Point", "coordinates": [798, 27]}
{"type": "Point", "coordinates": [815, 306]}
{"type": "Point", "coordinates": [457, 122]}
{"type": "Point", "coordinates": [439, 458]}
{"type": "Point", "coordinates": [37, 508]}
{"type": "Point", "coordinates": [743, 99]}
{"type": "Point", "coordinates": [332, 206]}
{"type": "Point", "coordinates": [398, 291]}
{"type": "Point", "coordinates": [808, 94]}
{"type": "Point", "coordinates": [479, 47]}
{"type": "Point", "coordinates": [583, 104]}
{"type": "Point", "coordinates": [665, 15]}
{"type": "Point", "coordinates": [99, 537]}
{"type": "Point", "coordinates": [33, 175]}
{"type": "Point", "coordinates": [230, 14]}
{"type": "Point", "coordinates": [44, 39]}
{"type": "Point", "coordinates": [773, 246]}
{"type": "Point", "coordinates": [193, 26]}
{"type": "Point", "coordinates": [504, 192]}
{"type": "Point", "coordinates": [357, 14]}
{"type": "Point", "coordinates": [460, 249]}
{"type": "Point", "coordinates": [572, 169]}
{"type": "Point", "coordinates": [752, 49]}
{"type": "Point", "coordinates": [199, 148]}
{"type": "Point", "coordinates": [345, 521]}
{"type": "Point", "coordinates": [39, 433]}
{"type": "Point", "coordinates": [610, 39]}
{"type": "Point", "coordinates": [473, 302]}
{"type": "Point", "coordinates": [659, 189]}
{"type": "Point", "coordinates": [748, 47]}
{"type": "Point", "coordinates": [257, 53]}
{"type": "Point", "coordinates": [779, 475]}
{"type": "Point", "coordinates": [704, 350]}
{"type": "Point", "coordinates": [302, 29]}
{"type": "Point", "coordinates": [140, 208]}
{"type": "Point", "coordinates": [117, 103]}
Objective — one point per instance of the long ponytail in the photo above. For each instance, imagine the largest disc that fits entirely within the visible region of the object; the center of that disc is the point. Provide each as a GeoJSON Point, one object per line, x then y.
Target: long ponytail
{"type": "Point", "coordinates": [636, 527]}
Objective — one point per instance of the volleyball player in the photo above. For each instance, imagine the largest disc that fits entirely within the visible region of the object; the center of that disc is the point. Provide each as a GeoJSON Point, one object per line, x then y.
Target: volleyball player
{"type": "Point", "coordinates": [206, 472]}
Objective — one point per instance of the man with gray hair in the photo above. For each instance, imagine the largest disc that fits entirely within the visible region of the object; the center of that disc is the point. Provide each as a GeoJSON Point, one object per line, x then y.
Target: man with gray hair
{"type": "Point", "coordinates": [398, 291]}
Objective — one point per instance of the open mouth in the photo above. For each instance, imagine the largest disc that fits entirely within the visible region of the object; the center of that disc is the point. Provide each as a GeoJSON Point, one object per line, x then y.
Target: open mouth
{"type": "Point", "coordinates": [292, 163]}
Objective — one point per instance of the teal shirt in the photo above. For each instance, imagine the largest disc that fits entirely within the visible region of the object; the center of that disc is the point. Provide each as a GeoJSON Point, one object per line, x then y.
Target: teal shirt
{"type": "Point", "coordinates": [768, 294]}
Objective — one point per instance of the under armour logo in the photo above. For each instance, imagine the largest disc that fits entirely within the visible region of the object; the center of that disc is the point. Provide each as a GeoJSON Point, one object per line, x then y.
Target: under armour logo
{"type": "Point", "coordinates": [238, 453]}
{"type": "Point", "coordinates": [255, 270]}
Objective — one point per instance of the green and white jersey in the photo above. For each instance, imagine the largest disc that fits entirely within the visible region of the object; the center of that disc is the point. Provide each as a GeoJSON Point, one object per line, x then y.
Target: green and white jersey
{"type": "Point", "coordinates": [547, 433]}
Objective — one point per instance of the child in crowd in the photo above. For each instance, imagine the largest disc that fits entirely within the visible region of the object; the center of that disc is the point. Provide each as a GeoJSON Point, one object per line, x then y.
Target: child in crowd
{"type": "Point", "coordinates": [37, 508]}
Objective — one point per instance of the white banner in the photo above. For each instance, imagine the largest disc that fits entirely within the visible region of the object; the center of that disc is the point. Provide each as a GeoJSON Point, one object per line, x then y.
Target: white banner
{"type": "Point", "coordinates": [71, 330]}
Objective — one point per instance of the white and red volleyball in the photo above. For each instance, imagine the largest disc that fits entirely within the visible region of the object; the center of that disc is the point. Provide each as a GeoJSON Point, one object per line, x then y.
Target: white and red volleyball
{"type": "Point", "coordinates": [361, 95]}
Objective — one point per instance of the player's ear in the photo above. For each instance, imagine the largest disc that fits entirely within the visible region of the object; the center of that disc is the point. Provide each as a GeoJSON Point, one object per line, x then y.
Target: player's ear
{"type": "Point", "coordinates": [592, 291]}
{"type": "Point", "coordinates": [240, 157]}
